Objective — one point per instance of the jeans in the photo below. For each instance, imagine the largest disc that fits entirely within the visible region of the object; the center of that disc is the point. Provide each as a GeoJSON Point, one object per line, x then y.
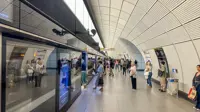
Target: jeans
{"type": "Point", "coordinates": [133, 82]}
{"type": "Point", "coordinates": [83, 78]}
{"type": "Point", "coordinates": [149, 79]}
{"type": "Point", "coordinates": [124, 70]}
{"type": "Point", "coordinates": [198, 97]}
{"type": "Point", "coordinates": [38, 80]}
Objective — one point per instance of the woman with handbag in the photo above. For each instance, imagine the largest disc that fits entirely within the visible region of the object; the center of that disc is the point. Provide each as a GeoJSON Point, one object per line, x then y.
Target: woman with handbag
{"type": "Point", "coordinates": [133, 76]}
{"type": "Point", "coordinates": [29, 71]}
{"type": "Point", "coordinates": [148, 73]}
{"type": "Point", "coordinates": [196, 86]}
{"type": "Point", "coordinates": [100, 71]}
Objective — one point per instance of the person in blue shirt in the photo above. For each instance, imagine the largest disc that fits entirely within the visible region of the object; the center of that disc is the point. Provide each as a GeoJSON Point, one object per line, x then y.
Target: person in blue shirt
{"type": "Point", "coordinates": [100, 71]}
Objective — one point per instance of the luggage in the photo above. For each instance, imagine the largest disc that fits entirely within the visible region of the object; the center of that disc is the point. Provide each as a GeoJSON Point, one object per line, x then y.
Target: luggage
{"type": "Point", "coordinates": [134, 82]}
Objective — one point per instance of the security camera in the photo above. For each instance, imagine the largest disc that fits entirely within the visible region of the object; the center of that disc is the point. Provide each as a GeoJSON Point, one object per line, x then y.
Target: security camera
{"type": "Point", "coordinates": [56, 31]}
{"type": "Point", "coordinates": [93, 32]}
{"type": "Point", "coordinates": [59, 33]}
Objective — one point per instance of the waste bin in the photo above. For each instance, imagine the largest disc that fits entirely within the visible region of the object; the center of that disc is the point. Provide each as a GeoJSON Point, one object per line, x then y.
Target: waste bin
{"type": "Point", "coordinates": [173, 86]}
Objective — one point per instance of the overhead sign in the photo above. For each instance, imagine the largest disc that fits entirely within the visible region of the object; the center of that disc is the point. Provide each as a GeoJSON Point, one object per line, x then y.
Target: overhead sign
{"type": "Point", "coordinates": [107, 49]}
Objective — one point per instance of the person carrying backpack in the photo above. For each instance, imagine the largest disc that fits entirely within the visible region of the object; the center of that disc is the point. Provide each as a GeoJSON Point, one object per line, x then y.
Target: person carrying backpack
{"type": "Point", "coordinates": [163, 76]}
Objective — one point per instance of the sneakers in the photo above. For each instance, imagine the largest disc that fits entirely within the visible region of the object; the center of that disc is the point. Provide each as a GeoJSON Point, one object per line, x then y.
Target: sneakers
{"type": "Point", "coordinates": [196, 108]}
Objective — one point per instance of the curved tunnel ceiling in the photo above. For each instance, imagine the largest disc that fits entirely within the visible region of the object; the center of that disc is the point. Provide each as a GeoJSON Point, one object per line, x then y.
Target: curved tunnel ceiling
{"type": "Point", "coordinates": [147, 23]}
{"type": "Point", "coordinates": [124, 46]}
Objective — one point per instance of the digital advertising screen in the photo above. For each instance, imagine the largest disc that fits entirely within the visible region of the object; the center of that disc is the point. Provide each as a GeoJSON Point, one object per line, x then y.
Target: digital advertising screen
{"type": "Point", "coordinates": [64, 83]}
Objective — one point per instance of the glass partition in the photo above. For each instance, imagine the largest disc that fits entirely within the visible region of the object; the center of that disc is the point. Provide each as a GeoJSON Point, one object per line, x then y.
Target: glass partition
{"type": "Point", "coordinates": [30, 77]}
{"type": "Point", "coordinates": [70, 75]}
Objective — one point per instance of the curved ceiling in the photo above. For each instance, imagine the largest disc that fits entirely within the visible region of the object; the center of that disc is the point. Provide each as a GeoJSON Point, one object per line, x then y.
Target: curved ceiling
{"type": "Point", "coordinates": [147, 23]}
{"type": "Point", "coordinates": [125, 47]}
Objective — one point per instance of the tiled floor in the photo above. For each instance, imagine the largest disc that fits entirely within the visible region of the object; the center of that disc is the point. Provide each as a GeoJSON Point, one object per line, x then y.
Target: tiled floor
{"type": "Point", "coordinates": [119, 97]}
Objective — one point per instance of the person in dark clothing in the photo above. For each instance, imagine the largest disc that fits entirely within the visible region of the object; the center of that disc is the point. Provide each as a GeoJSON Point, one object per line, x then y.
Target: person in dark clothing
{"type": "Point", "coordinates": [124, 66]}
{"type": "Point", "coordinates": [136, 63]}
{"type": "Point", "coordinates": [128, 65]}
{"type": "Point", "coordinates": [112, 64]}
{"type": "Point", "coordinates": [104, 66]}
{"type": "Point", "coordinates": [196, 86]}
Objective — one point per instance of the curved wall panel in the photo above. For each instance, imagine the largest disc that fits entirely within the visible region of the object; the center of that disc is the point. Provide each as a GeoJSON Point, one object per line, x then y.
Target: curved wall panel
{"type": "Point", "coordinates": [189, 60]}
{"type": "Point", "coordinates": [174, 63]}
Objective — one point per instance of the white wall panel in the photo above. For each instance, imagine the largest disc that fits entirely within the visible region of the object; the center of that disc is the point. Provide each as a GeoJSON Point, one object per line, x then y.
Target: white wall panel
{"type": "Point", "coordinates": [159, 41]}
{"type": "Point", "coordinates": [155, 14]}
{"type": "Point", "coordinates": [171, 4]}
{"type": "Point", "coordinates": [173, 62]}
{"type": "Point", "coordinates": [178, 35]}
{"type": "Point", "coordinates": [169, 22]}
{"type": "Point", "coordinates": [124, 16]}
{"type": "Point", "coordinates": [114, 12]}
{"type": "Point", "coordinates": [145, 5]}
{"type": "Point", "coordinates": [116, 4]}
{"type": "Point", "coordinates": [155, 63]}
{"type": "Point", "coordinates": [104, 10]}
{"type": "Point", "coordinates": [187, 11]}
{"type": "Point", "coordinates": [197, 45]}
{"type": "Point", "coordinates": [136, 16]}
{"type": "Point", "coordinates": [193, 28]}
{"type": "Point", "coordinates": [127, 7]}
{"type": "Point", "coordinates": [135, 32]}
{"type": "Point", "coordinates": [104, 3]}
{"type": "Point", "coordinates": [132, 1]}
{"type": "Point", "coordinates": [189, 60]}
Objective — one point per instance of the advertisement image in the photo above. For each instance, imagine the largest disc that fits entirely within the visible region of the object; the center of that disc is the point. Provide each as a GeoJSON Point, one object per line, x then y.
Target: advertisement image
{"type": "Point", "coordinates": [64, 82]}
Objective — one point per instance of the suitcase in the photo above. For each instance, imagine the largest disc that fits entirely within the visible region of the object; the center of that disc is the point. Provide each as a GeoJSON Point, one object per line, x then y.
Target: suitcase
{"type": "Point", "coordinates": [134, 82]}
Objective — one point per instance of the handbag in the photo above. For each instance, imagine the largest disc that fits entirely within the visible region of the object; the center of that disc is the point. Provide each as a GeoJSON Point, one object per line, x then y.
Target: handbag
{"type": "Point", "coordinates": [146, 74]}
{"type": "Point", "coordinates": [192, 94]}
{"type": "Point", "coordinates": [30, 71]}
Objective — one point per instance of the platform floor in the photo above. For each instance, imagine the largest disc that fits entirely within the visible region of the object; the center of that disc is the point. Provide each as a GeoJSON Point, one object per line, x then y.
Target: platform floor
{"type": "Point", "coordinates": [119, 97]}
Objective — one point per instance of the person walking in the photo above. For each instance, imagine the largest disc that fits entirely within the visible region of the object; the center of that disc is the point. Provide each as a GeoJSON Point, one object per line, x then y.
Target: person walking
{"type": "Point", "coordinates": [196, 86]}
{"type": "Point", "coordinates": [128, 66]}
{"type": "Point", "coordinates": [133, 73]}
{"type": "Point", "coordinates": [124, 67]}
{"type": "Point", "coordinates": [121, 64]}
{"type": "Point", "coordinates": [117, 65]}
{"type": "Point", "coordinates": [111, 67]}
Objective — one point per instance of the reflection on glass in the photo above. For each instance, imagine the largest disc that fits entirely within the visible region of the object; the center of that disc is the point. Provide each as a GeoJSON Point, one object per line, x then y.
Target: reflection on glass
{"type": "Point", "coordinates": [28, 78]}
{"type": "Point", "coordinates": [70, 75]}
